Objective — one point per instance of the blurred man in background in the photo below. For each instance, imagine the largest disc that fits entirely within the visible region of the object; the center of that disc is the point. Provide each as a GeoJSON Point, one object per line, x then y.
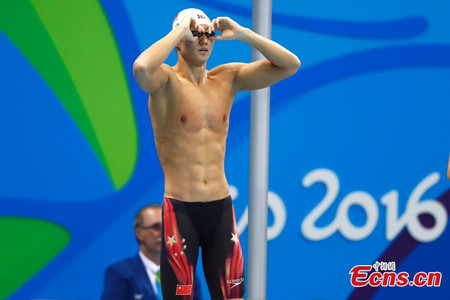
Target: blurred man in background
{"type": "Point", "coordinates": [137, 277]}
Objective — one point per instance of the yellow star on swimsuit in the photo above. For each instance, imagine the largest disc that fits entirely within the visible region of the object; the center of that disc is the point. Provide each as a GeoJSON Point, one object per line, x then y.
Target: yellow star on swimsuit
{"type": "Point", "coordinates": [234, 238]}
{"type": "Point", "coordinates": [171, 240]}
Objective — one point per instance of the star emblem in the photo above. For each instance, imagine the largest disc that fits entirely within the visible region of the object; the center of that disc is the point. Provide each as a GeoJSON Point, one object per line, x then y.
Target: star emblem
{"type": "Point", "coordinates": [171, 240]}
{"type": "Point", "coordinates": [234, 238]}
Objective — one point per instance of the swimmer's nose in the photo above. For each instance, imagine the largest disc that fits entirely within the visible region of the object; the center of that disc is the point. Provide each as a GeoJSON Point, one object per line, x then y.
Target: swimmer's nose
{"type": "Point", "coordinates": [204, 40]}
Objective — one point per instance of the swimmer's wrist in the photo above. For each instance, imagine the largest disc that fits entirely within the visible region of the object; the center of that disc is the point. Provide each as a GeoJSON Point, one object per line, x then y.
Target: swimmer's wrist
{"type": "Point", "coordinates": [181, 31]}
{"type": "Point", "coordinates": [244, 34]}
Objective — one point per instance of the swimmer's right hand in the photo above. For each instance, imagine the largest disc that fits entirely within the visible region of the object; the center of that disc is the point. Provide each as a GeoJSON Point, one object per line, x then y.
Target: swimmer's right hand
{"type": "Point", "coordinates": [189, 24]}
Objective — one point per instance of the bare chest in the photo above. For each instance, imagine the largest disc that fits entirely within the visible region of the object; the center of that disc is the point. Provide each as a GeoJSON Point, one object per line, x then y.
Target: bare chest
{"type": "Point", "coordinates": [192, 109]}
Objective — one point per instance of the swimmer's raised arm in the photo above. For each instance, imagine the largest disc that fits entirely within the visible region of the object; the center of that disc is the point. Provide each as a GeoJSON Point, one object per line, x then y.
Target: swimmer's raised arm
{"type": "Point", "coordinates": [148, 68]}
{"type": "Point", "coordinates": [279, 63]}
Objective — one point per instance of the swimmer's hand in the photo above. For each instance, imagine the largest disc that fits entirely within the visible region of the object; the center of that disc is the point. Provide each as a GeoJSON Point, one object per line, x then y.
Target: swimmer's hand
{"type": "Point", "coordinates": [230, 30]}
{"type": "Point", "coordinates": [189, 24]}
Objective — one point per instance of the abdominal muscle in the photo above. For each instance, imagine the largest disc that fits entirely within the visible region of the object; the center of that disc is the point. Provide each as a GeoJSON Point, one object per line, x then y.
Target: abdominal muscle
{"type": "Point", "coordinates": [193, 164]}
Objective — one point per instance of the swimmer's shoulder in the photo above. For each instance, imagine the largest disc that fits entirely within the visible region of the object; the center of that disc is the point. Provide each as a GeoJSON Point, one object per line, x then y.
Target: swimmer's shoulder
{"type": "Point", "coordinates": [227, 71]}
{"type": "Point", "coordinates": [226, 68]}
{"type": "Point", "coordinates": [171, 82]}
{"type": "Point", "coordinates": [169, 71]}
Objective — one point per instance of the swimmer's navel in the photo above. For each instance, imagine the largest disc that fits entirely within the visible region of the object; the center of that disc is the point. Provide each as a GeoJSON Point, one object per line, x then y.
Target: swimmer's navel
{"type": "Point", "coordinates": [224, 118]}
{"type": "Point", "coordinates": [205, 182]}
{"type": "Point", "coordinates": [183, 119]}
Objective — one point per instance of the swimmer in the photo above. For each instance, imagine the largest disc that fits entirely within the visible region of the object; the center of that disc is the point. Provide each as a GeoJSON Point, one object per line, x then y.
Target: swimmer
{"type": "Point", "coordinates": [189, 107]}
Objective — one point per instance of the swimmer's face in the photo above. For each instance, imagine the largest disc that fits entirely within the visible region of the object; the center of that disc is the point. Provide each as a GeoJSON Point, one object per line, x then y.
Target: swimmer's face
{"type": "Point", "coordinates": [197, 51]}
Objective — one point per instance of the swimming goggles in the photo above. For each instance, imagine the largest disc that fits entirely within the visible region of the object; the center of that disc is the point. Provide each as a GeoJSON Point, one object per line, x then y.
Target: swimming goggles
{"type": "Point", "coordinates": [199, 34]}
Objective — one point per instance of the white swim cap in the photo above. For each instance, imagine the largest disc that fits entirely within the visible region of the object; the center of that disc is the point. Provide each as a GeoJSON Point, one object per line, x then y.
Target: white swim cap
{"type": "Point", "coordinates": [195, 13]}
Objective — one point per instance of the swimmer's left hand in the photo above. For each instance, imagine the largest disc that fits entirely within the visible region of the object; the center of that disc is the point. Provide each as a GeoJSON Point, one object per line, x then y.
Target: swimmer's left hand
{"type": "Point", "coordinates": [230, 30]}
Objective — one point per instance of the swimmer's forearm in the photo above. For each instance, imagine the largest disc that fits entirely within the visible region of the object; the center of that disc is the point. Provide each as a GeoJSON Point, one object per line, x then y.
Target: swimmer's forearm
{"type": "Point", "coordinates": [274, 52]}
{"type": "Point", "coordinates": [155, 55]}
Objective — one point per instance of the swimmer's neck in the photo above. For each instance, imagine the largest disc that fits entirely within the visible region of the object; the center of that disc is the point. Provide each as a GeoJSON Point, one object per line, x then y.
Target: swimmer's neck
{"type": "Point", "coordinates": [193, 73]}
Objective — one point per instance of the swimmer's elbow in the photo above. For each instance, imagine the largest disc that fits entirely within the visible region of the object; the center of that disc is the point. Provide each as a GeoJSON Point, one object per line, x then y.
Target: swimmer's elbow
{"type": "Point", "coordinates": [139, 73]}
{"type": "Point", "coordinates": [295, 65]}
{"type": "Point", "coordinates": [290, 67]}
{"type": "Point", "coordinates": [138, 68]}
{"type": "Point", "coordinates": [298, 62]}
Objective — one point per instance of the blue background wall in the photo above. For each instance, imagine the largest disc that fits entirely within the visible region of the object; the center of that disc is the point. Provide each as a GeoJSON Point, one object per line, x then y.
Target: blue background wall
{"type": "Point", "coordinates": [366, 118]}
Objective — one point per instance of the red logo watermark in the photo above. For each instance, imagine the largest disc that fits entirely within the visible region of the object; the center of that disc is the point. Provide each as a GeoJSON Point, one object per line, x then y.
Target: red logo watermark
{"type": "Point", "coordinates": [384, 275]}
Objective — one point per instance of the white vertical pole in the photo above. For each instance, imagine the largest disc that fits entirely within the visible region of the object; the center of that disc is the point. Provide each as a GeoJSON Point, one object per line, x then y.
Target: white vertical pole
{"type": "Point", "coordinates": [259, 165]}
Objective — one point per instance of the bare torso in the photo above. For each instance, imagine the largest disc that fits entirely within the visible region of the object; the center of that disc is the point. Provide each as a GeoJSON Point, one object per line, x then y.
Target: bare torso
{"type": "Point", "coordinates": [190, 123]}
